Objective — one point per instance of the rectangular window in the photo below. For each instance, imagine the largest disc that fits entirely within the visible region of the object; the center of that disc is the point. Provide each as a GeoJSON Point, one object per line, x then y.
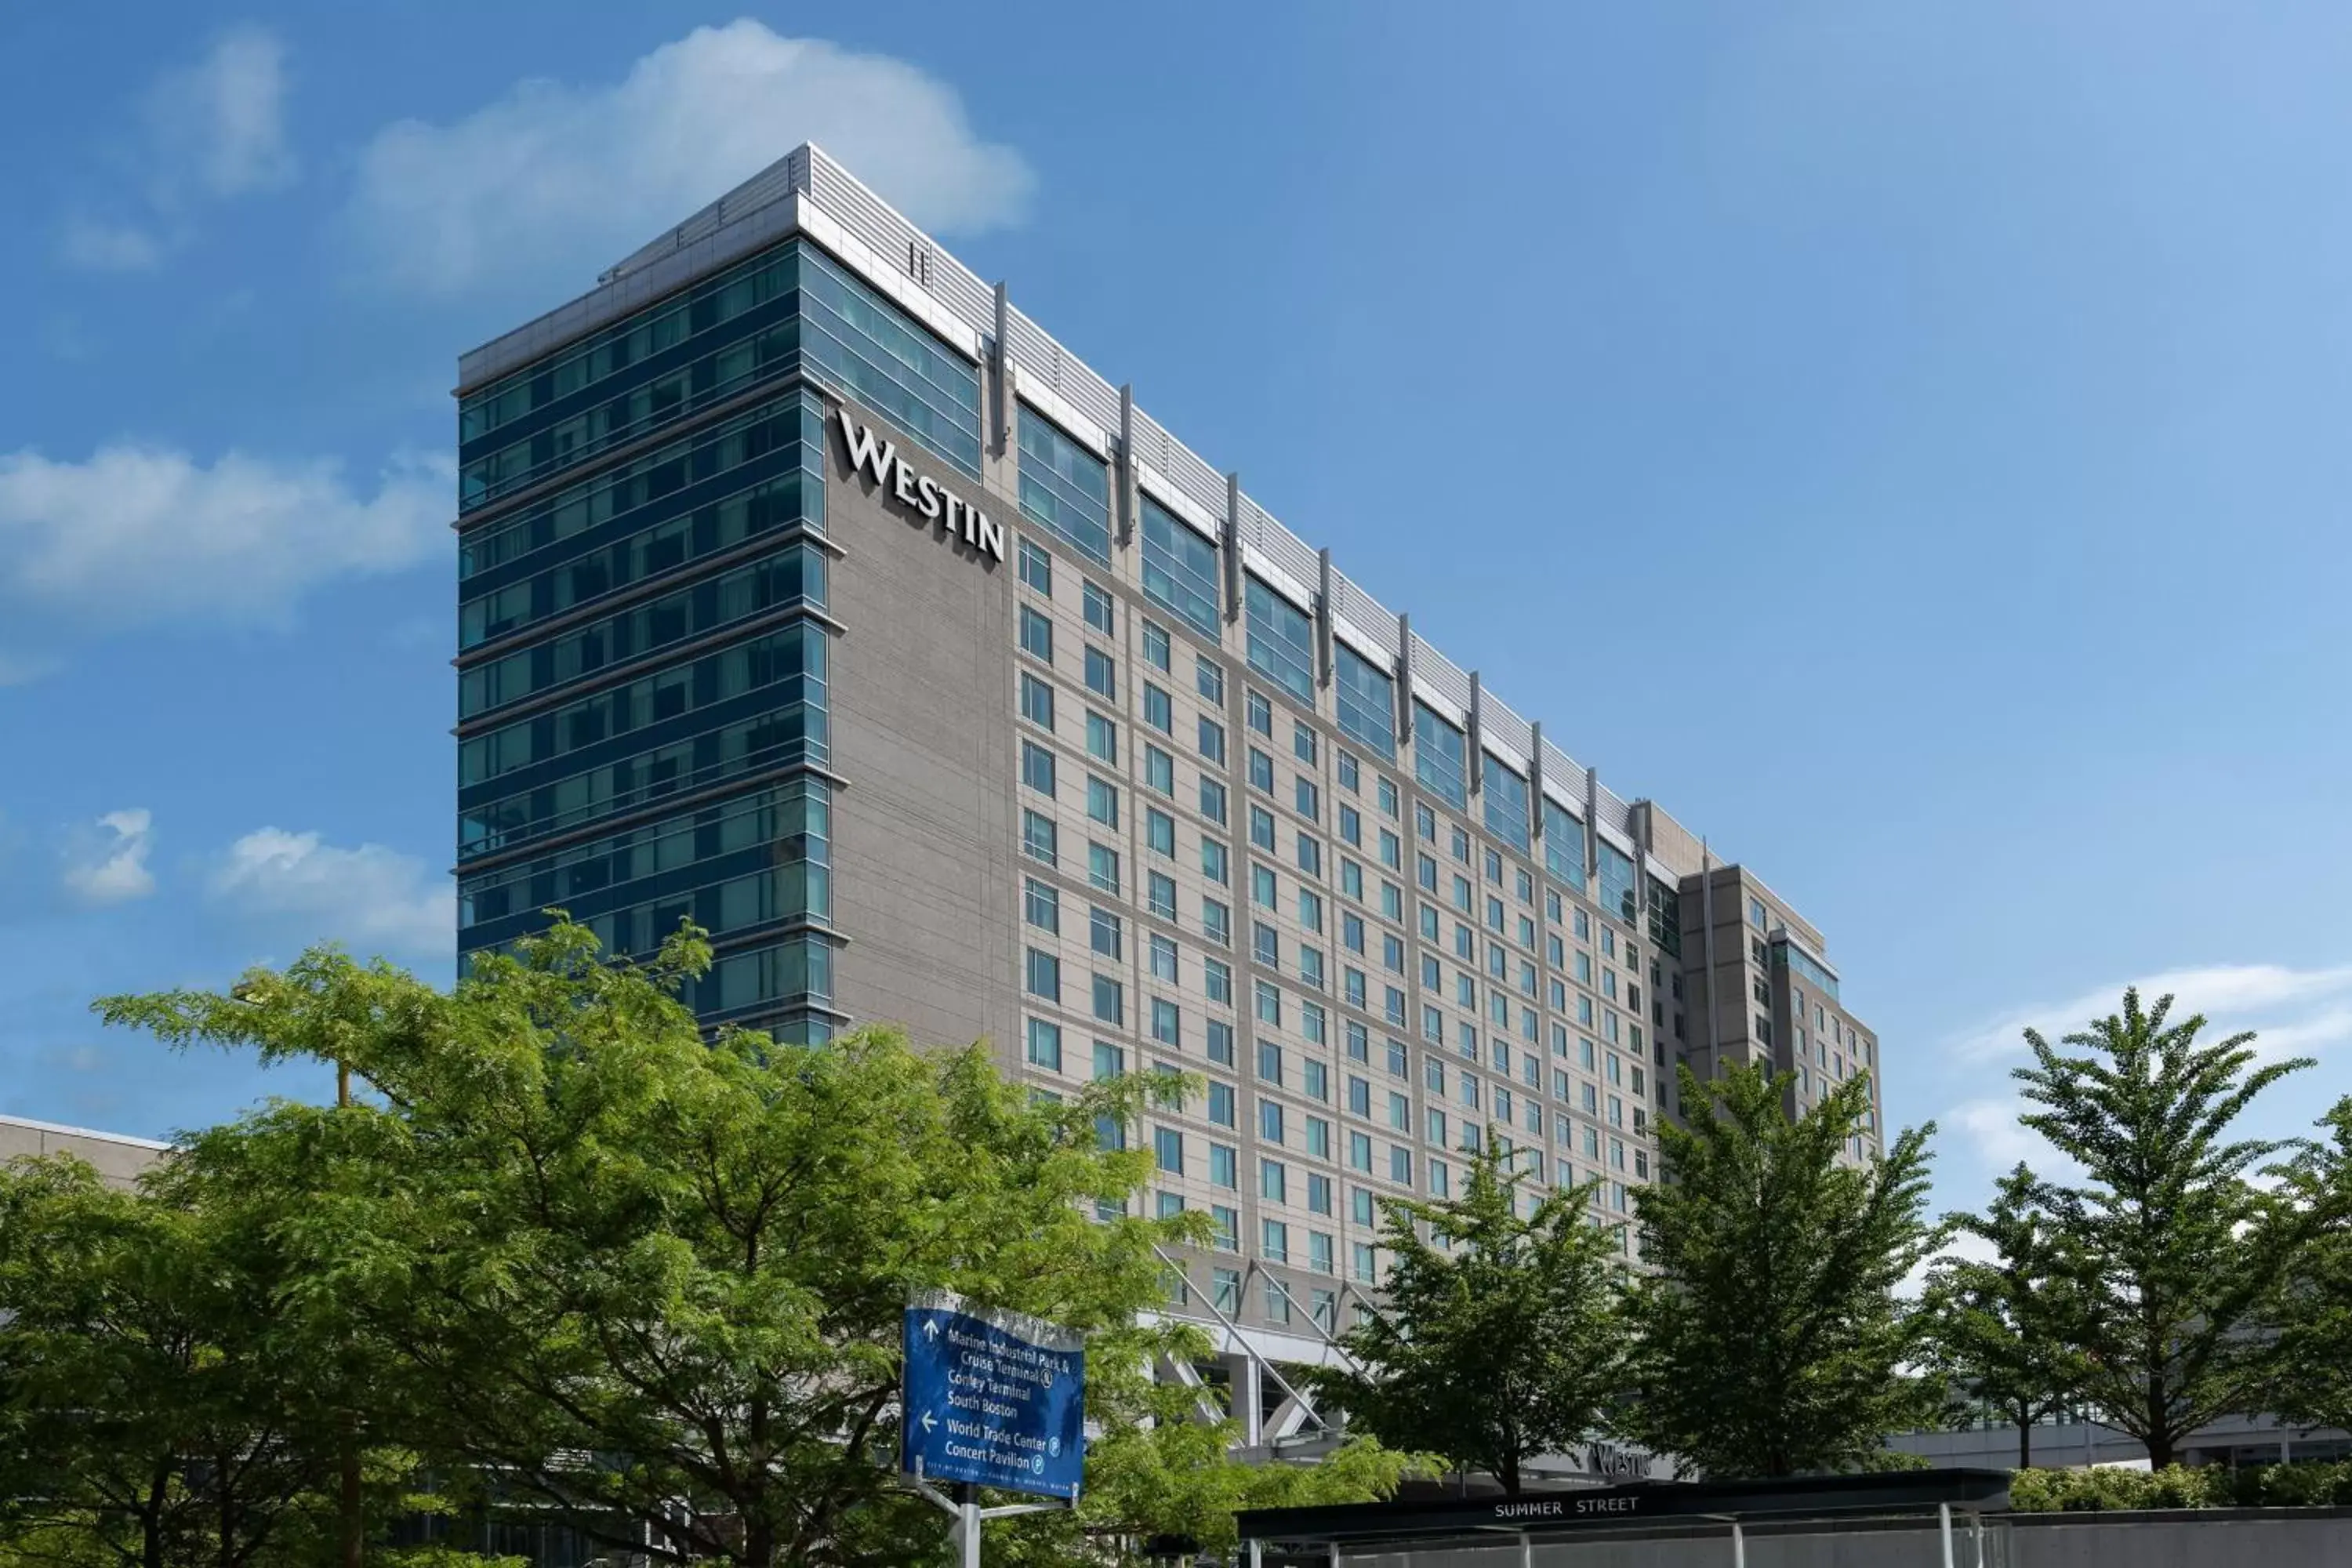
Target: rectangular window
{"type": "Point", "coordinates": [1102, 867]}
{"type": "Point", "coordinates": [1221, 1104]}
{"type": "Point", "coordinates": [1036, 701]}
{"type": "Point", "coordinates": [1213, 800]}
{"type": "Point", "coordinates": [1261, 772]}
{"type": "Point", "coordinates": [1366, 698]}
{"type": "Point", "coordinates": [1269, 1119]}
{"type": "Point", "coordinates": [1307, 798]}
{"type": "Point", "coordinates": [1043, 975]}
{"type": "Point", "coordinates": [1163, 958]}
{"type": "Point", "coordinates": [1036, 633]}
{"type": "Point", "coordinates": [1215, 859]}
{"type": "Point", "coordinates": [1041, 905]}
{"type": "Point", "coordinates": [1258, 709]}
{"type": "Point", "coordinates": [1037, 836]}
{"type": "Point", "coordinates": [1102, 673]}
{"type": "Point", "coordinates": [1440, 757]}
{"type": "Point", "coordinates": [1064, 486]}
{"type": "Point", "coordinates": [1209, 678]}
{"type": "Point", "coordinates": [1167, 1025]}
{"type": "Point", "coordinates": [1168, 1148]}
{"type": "Point", "coordinates": [1179, 569]}
{"type": "Point", "coordinates": [1217, 980]}
{"type": "Point", "coordinates": [1217, 922]}
{"type": "Point", "coordinates": [1044, 1045]}
{"type": "Point", "coordinates": [1158, 711]}
{"type": "Point", "coordinates": [1261, 827]}
{"type": "Point", "coordinates": [1110, 999]}
{"type": "Point", "coordinates": [1159, 770]}
{"type": "Point", "coordinates": [1038, 767]}
{"type": "Point", "coordinates": [1102, 739]}
{"type": "Point", "coordinates": [1506, 805]}
{"type": "Point", "coordinates": [1221, 1048]}
{"type": "Point", "coordinates": [1274, 1244]}
{"type": "Point", "coordinates": [1156, 649]}
{"type": "Point", "coordinates": [1102, 801]}
{"type": "Point", "coordinates": [1036, 569]}
{"type": "Point", "coordinates": [1619, 894]}
{"type": "Point", "coordinates": [1273, 1180]}
{"type": "Point", "coordinates": [1212, 741]}
{"type": "Point", "coordinates": [1281, 640]}
{"type": "Point", "coordinates": [1096, 603]}
{"type": "Point", "coordinates": [1266, 946]}
{"type": "Point", "coordinates": [1105, 934]}
{"type": "Point", "coordinates": [1160, 832]}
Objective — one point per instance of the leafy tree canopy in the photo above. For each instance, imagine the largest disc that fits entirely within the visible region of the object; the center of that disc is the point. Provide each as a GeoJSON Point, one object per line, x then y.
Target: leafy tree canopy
{"type": "Point", "coordinates": [1773, 1342]}
{"type": "Point", "coordinates": [2182, 1254]}
{"type": "Point", "coordinates": [1997, 1326]}
{"type": "Point", "coordinates": [1499, 1339]}
{"type": "Point", "coordinates": [654, 1281]}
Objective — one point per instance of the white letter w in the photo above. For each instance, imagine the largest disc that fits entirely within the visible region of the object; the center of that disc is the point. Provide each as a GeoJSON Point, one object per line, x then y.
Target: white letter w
{"type": "Point", "coordinates": [876, 457]}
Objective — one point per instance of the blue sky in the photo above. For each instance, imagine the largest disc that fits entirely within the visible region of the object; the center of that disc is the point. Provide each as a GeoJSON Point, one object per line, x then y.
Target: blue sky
{"type": "Point", "coordinates": [1904, 441]}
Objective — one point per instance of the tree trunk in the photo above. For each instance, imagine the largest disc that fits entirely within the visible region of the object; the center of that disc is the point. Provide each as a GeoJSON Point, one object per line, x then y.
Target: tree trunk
{"type": "Point", "coordinates": [2025, 1445]}
{"type": "Point", "coordinates": [354, 1535]}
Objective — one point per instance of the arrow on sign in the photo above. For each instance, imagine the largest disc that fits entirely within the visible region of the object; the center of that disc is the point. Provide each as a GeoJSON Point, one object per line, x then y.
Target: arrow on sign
{"type": "Point", "coordinates": [929, 1424]}
{"type": "Point", "coordinates": [931, 1328]}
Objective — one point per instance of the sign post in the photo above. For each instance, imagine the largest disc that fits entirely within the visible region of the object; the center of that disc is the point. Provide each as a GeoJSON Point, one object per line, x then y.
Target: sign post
{"type": "Point", "coordinates": [991, 1399]}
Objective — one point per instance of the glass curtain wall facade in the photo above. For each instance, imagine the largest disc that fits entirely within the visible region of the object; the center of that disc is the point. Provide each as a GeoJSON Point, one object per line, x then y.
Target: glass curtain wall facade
{"type": "Point", "coordinates": [643, 652]}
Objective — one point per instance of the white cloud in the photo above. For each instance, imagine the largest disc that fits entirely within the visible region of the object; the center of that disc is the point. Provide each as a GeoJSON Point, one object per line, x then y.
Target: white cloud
{"type": "Point", "coordinates": [2290, 1009]}
{"type": "Point", "coordinates": [1990, 1130]}
{"type": "Point", "coordinates": [219, 126]}
{"type": "Point", "coordinates": [527, 186]}
{"type": "Point", "coordinates": [98, 246]}
{"type": "Point", "coordinates": [110, 866]}
{"type": "Point", "coordinates": [208, 132]}
{"type": "Point", "coordinates": [371, 897]}
{"type": "Point", "coordinates": [142, 533]}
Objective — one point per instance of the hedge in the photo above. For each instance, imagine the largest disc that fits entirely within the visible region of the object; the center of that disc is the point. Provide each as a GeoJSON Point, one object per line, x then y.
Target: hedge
{"type": "Point", "coordinates": [2178, 1486]}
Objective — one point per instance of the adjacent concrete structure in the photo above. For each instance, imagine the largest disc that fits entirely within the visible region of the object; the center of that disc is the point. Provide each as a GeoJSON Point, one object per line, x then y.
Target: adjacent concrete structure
{"type": "Point", "coordinates": [116, 1156]}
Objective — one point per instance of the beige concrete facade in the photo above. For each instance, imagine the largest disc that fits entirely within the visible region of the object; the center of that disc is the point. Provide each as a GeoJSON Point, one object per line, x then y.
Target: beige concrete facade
{"type": "Point", "coordinates": [114, 1155]}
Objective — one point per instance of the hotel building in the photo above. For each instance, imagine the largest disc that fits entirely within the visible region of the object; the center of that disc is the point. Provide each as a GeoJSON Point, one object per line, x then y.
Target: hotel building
{"type": "Point", "coordinates": [811, 590]}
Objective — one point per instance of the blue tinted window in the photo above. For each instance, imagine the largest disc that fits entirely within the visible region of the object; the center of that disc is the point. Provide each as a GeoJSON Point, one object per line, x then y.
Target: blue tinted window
{"type": "Point", "coordinates": [1367, 701]}
{"type": "Point", "coordinates": [702, 493]}
{"type": "Point", "coordinates": [1821, 979]}
{"type": "Point", "coordinates": [1506, 805]}
{"type": "Point", "coordinates": [1441, 756]}
{"type": "Point", "coordinates": [1618, 896]}
{"type": "Point", "coordinates": [1281, 641]}
{"type": "Point", "coordinates": [758, 859]}
{"type": "Point", "coordinates": [1563, 846]}
{"type": "Point", "coordinates": [867, 347]}
{"type": "Point", "coordinates": [758, 705]}
{"type": "Point", "coordinates": [1666, 929]}
{"type": "Point", "coordinates": [1065, 486]}
{"type": "Point", "coordinates": [795, 576]}
{"type": "Point", "coordinates": [1180, 570]}
{"type": "Point", "coordinates": [789, 308]}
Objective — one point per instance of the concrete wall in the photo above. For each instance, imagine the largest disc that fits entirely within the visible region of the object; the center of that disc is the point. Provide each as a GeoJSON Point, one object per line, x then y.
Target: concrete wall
{"type": "Point", "coordinates": [116, 1157]}
{"type": "Point", "coordinates": [925, 834]}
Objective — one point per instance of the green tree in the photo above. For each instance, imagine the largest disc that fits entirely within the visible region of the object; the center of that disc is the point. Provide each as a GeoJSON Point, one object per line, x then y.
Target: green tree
{"type": "Point", "coordinates": [2314, 1312]}
{"type": "Point", "coordinates": [1773, 1341]}
{"type": "Point", "coordinates": [2183, 1254]}
{"type": "Point", "coordinates": [1997, 1327]}
{"type": "Point", "coordinates": [148, 1413]}
{"type": "Point", "coordinates": [1496, 1344]}
{"type": "Point", "coordinates": [654, 1281]}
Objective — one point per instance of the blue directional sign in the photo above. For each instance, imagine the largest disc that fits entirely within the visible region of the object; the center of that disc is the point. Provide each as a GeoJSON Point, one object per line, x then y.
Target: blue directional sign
{"type": "Point", "coordinates": [996, 1398]}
